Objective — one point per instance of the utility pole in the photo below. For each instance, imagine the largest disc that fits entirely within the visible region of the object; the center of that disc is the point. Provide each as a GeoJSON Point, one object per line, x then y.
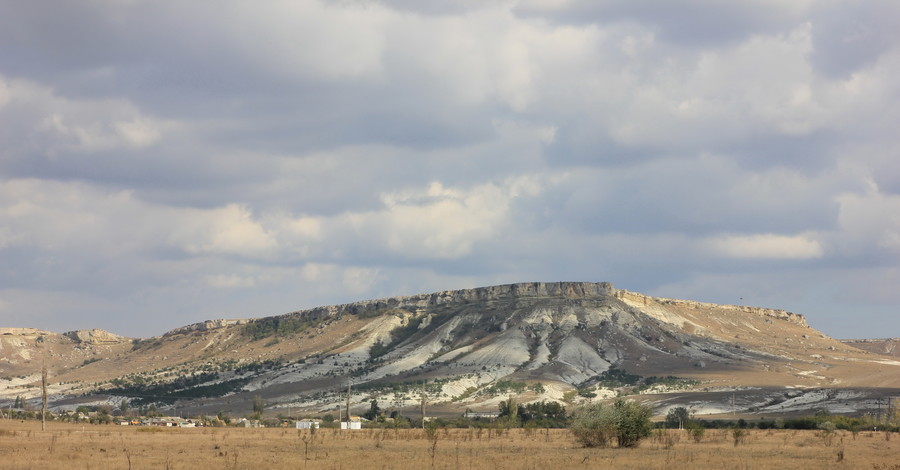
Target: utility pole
{"type": "Point", "coordinates": [423, 404]}
{"type": "Point", "coordinates": [44, 396]}
{"type": "Point", "coordinates": [340, 410]}
{"type": "Point", "coordinates": [889, 415]}
{"type": "Point", "coordinates": [348, 404]}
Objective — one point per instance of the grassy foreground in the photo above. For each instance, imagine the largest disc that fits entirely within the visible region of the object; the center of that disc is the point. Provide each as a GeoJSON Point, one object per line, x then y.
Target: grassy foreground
{"type": "Point", "coordinates": [24, 446]}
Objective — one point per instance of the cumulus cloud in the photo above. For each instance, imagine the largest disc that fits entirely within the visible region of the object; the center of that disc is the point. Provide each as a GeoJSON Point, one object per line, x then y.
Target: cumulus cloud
{"type": "Point", "coordinates": [227, 230]}
{"type": "Point", "coordinates": [255, 159]}
{"type": "Point", "coordinates": [870, 223]}
{"type": "Point", "coordinates": [767, 246]}
{"type": "Point", "coordinates": [442, 222]}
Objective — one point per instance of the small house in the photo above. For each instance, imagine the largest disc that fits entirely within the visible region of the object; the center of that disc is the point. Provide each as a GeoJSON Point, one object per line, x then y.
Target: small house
{"type": "Point", "coordinates": [308, 424]}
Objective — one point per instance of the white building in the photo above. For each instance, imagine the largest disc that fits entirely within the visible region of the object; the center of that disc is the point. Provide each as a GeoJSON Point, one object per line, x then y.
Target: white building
{"type": "Point", "coordinates": [308, 424]}
{"type": "Point", "coordinates": [354, 423]}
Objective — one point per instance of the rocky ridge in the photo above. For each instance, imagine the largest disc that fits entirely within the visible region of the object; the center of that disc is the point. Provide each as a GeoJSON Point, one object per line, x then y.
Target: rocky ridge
{"type": "Point", "coordinates": [557, 340]}
{"type": "Point", "coordinates": [95, 336]}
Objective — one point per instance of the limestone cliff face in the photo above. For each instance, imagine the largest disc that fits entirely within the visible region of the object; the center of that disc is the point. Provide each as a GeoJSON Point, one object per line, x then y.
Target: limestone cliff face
{"type": "Point", "coordinates": [570, 290]}
{"type": "Point", "coordinates": [525, 290]}
{"type": "Point", "coordinates": [95, 336]}
{"type": "Point", "coordinates": [206, 326]}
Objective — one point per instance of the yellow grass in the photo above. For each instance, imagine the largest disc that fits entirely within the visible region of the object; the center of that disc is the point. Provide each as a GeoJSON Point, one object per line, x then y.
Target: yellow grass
{"type": "Point", "coordinates": [24, 446]}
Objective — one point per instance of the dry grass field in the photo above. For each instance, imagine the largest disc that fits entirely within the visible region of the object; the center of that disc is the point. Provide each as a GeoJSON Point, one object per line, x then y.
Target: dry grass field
{"type": "Point", "coordinates": [24, 446]}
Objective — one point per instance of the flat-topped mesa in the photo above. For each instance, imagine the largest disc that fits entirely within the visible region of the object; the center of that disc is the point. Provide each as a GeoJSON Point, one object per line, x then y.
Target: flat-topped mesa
{"type": "Point", "coordinates": [567, 290]}
{"type": "Point", "coordinates": [637, 298]}
{"type": "Point", "coordinates": [572, 290]}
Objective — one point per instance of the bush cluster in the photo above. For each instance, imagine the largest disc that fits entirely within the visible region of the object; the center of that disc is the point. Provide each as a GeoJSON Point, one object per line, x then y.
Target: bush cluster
{"type": "Point", "coordinates": [598, 424]}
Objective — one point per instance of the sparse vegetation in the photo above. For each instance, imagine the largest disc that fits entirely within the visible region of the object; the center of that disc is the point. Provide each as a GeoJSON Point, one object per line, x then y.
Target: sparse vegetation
{"type": "Point", "coordinates": [739, 435]}
{"type": "Point", "coordinates": [677, 417]}
{"type": "Point", "coordinates": [671, 382]}
{"type": "Point", "coordinates": [433, 387]}
{"type": "Point", "coordinates": [598, 424]}
{"type": "Point", "coordinates": [696, 431]}
{"type": "Point", "coordinates": [258, 407]}
{"type": "Point", "coordinates": [490, 447]}
{"type": "Point", "coordinates": [627, 383]}
{"type": "Point", "coordinates": [281, 326]}
{"type": "Point", "coordinates": [138, 344]}
{"type": "Point", "coordinates": [196, 386]}
{"type": "Point", "coordinates": [377, 350]}
{"type": "Point", "coordinates": [504, 386]}
{"type": "Point", "coordinates": [543, 414]}
{"type": "Point", "coordinates": [613, 378]}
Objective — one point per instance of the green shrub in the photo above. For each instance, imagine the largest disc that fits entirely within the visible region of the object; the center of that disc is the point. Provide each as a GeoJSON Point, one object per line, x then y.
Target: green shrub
{"type": "Point", "coordinates": [597, 424]}
{"type": "Point", "coordinates": [739, 435]}
{"type": "Point", "coordinates": [696, 431]}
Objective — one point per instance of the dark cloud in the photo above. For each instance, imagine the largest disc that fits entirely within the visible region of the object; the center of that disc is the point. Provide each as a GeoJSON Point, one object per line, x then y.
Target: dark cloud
{"type": "Point", "coordinates": [697, 196]}
{"type": "Point", "coordinates": [851, 36]}
{"type": "Point", "coordinates": [692, 23]}
{"type": "Point", "coordinates": [166, 162]}
{"type": "Point", "coordinates": [427, 8]}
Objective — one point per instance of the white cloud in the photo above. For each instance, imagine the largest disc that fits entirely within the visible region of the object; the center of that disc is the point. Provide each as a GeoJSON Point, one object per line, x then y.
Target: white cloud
{"type": "Point", "coordinates": [43, 123]}
{"type": "Point", "coordinates": [869, 223]}
{"type": "Point", "coordinates": [330, 279]}
{"type": "Point", "coordinates": [229, 281]}
{"type": "Point", "coordinates": [256, 158]}
{"type": "Point", "coordinates": [75, 216]}
{"type": "Point", "coordinates": [137, 133]}
{"type": "Point", "coordinates": [227, 230]}
{"type": "Point", "coordinates": [762, 85]}
{"type": "Point", "coordinates": [766, 246]}
{"type": "Point", "coordinates": [99, 135]}
{"type": "Point", "coordinates": [434, 222]}
{"type": "Point", "coordinates": [443, 223]}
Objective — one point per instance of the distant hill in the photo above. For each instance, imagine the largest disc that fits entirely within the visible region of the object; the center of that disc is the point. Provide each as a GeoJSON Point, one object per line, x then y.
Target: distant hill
{"type": "Point", "coordinates": [887, 346]}
{"type": "Point", "coordinates": [564, 341]}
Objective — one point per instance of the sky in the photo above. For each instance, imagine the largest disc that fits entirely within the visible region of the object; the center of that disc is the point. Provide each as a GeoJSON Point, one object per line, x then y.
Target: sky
{"type": "Point", "coordinates": [168, 162]}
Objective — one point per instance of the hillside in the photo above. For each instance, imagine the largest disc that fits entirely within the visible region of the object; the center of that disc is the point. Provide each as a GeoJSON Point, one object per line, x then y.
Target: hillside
{"type": "Point", "coordinates": [471, 348]}
{"type": "Point", "coordinates": [886, 346]}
